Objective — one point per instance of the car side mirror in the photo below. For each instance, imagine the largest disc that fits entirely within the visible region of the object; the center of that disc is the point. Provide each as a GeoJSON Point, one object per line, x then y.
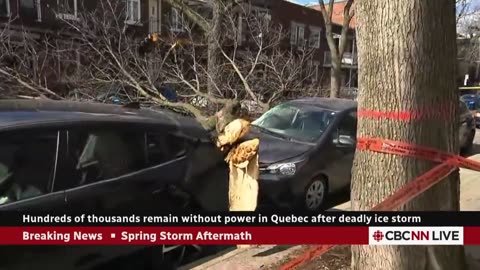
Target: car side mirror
{"type": "Point", "coordinates": [343, 140]}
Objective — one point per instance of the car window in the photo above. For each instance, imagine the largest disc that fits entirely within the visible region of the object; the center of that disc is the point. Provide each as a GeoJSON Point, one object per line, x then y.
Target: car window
{"type": "Point", "coordinates": [348, 126]}
{"type": "Point", "coordinates": [98, 155]}
{"type": "Point", "coordinates": [27, 165]}
{"type": "Point", "coordinates": [163, 147]}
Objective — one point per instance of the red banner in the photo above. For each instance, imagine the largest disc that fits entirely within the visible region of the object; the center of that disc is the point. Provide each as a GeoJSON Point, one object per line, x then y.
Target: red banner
{"type": "Point", "coordinates": [232, 235]}
{"type": "Point", "coordinates": [182, 235]}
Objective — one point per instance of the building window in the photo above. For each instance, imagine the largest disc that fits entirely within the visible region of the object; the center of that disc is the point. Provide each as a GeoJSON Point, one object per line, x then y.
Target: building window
{"type": "Point", "coordinates": [297, 34]}
{"type": "Point", "coordinates": [315, 34]}
{"type": "Point", "coordinates": [31, 9]}
{"type": "Point", "coordinates": [176, 21]}
{"type": "Point", "coordinates": [263, 15]}
{"type": "Point", "coordinates": [5, 8]}
{"type": "Point", "coordinates": [133, 11]}
{"type": "Point", "coordinates": [67, 9]}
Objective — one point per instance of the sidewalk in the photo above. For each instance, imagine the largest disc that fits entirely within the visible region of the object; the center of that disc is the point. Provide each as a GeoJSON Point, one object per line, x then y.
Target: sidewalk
{"type": "Point", "coordinates": [263, 256]}
{"type": "Point", "coordinates": [470, 201]}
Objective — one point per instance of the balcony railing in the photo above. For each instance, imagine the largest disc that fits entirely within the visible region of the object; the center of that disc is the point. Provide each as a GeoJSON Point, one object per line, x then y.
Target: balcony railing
{"type": "Point", "coordinates": [348, 59]}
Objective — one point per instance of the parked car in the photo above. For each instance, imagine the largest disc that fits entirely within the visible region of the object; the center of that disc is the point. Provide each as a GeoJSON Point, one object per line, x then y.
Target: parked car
{"type": "Point", "coordinates": [82, 157]}
{"type": "Point", "coordinates": [473, 104]}
{"type": "Point", "coordinates": [307, 148]}
{"type": "Point", "coordinates": [306, 151]}
{"type": "Point", "coordinates": [467, 127]}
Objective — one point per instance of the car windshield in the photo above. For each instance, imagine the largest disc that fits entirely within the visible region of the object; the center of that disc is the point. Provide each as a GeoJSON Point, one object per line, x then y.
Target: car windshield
{"type": "Point", "coordinates": [301, 123]}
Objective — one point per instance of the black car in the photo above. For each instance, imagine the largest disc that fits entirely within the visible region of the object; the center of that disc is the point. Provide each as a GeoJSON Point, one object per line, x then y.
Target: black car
{"type": "Point", "coordinates": [307, 148]}
{"type": "Point", "coordinates": [91, 158]}
{"type": "Point", "coordinates": [306, 151]}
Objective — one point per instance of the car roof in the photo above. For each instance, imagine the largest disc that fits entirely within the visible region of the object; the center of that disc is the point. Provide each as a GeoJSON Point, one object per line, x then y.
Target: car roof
{"type": "Point", "coordinates": [29, 112]}
{"type": "Point", "coordinates": [334, 104]}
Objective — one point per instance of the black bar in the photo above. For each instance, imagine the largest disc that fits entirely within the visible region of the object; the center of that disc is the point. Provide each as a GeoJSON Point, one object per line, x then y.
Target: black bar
{"type": "Point", "coordinates": [334, 218]}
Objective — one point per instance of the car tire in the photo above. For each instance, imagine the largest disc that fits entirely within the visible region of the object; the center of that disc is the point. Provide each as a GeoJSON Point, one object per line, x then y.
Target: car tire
{"type": "Point", "coordinates": [315, 194]}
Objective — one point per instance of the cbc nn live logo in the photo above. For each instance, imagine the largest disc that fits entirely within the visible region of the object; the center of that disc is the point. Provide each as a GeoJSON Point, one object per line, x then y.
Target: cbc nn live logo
{"type": "Point", "coordinates": [415, 236]}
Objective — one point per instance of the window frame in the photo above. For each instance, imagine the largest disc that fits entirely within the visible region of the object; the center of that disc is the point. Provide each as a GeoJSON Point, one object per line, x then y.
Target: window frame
{"type": "Point", "coordinates": [68, 16]}
{"type": "Point", "coordinates": [129, 12]}
{"type": "Point", "coordinates": [25, 133]}
{"type": "Point", "coordinates": [8, 11]}
{"type": "Point", "coordinates": [176, 19]}
{"type": "Point", "coordinates": [88, 129]}
{"type": "Point", "coordinates": [315, 30]}
{"type": "Point", "coordinates": [297, 34]}
{"type": "Point", "coordinates": [38, 9]}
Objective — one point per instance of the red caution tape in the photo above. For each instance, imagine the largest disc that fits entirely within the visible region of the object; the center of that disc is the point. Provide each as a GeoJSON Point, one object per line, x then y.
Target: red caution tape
{"type": "Point", "coordinates": [448, 164]}
{"type": "Point", "coordinates": [423, 113]}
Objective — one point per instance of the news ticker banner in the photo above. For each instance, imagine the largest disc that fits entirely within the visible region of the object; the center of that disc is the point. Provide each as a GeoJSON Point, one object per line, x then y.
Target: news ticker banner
{"type": "Point", "coordinates": [280, 235]}
{"type": "Point", "coordinates": [329, 218]}
{"type": "Point", "coordinates": [336, 227]}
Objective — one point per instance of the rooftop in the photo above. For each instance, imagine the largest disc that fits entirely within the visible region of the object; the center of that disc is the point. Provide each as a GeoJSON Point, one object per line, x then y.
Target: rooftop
{"type": "Point", "coordinates": [39, 112]}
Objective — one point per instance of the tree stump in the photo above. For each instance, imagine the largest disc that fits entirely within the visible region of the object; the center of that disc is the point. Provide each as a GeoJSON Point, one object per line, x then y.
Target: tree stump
{"type": "Point", "coordinates": [243, 165]}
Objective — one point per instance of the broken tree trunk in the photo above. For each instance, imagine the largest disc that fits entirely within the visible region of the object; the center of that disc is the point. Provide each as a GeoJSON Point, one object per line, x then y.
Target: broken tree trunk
{"type": "Point", "coordinates": [242, 158]}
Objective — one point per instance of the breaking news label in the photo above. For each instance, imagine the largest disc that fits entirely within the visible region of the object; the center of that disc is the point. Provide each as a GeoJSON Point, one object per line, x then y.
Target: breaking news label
{"type": "Point", "coordinates": [235, 228]}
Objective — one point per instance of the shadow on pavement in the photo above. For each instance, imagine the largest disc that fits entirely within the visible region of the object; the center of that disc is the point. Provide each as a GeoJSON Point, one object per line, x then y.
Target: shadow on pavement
{"type": "Point", "coordinates": [475, 150]}
{"type": "Point", "coordinates": [337, 199]}
{"type": "Point", "coordinates": [213, 253]}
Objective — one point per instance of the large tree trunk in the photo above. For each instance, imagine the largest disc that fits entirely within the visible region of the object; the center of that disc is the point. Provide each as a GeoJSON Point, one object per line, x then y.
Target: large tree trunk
{"type": "Point", "coordinates": [242, 158]}
{"type": "Point", "coordinates": [407, 54]}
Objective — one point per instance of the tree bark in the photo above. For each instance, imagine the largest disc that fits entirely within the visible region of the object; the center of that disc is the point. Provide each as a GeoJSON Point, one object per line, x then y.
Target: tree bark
{"type": "Point", "coordinates": [335, 80]}
{"type": "Point", "coordinates": [337, 51]}
{"type": "Point", "coordinates": [214, 41]}
{"type": "Point", "coordinates": [407, 52]}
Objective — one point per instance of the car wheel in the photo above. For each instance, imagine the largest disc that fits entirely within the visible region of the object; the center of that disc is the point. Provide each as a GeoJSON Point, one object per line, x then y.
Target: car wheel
{"type": "Point", "coordinates": [315, 194]}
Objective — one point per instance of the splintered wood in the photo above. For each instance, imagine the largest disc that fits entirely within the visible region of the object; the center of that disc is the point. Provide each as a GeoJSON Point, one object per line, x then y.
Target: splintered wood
{"type": "Point", "coordinates": [242, 159]}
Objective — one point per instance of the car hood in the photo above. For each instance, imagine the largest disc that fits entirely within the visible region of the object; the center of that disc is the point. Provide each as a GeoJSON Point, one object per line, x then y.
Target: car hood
{"type": "Point", "coordinates": [274, 149]}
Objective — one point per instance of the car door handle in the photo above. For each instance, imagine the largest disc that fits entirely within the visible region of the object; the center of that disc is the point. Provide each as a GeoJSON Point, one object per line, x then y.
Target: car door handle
{"type": "Point", "coordinates": [159, 190]}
